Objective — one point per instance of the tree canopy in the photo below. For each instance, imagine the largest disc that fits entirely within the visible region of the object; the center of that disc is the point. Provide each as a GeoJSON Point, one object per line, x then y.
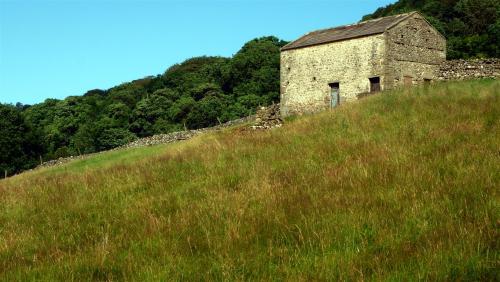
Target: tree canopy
{"type": "Point", "coordinates": [20, 145]}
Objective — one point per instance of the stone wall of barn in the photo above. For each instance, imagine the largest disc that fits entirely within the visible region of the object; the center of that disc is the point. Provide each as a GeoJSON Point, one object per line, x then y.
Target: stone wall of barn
{"type": "Point", "coordinates": [415, 51]}
{"type": "Point", "coordinates": [307, 72]}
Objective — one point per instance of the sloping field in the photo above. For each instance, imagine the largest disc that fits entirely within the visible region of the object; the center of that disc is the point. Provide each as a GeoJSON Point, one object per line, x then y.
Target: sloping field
{"type": "Point", "coordinates": [399, 186]}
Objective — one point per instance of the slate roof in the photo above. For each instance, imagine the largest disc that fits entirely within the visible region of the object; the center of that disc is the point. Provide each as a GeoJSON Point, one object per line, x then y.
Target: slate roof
{"type": "Point", "coordinates": [361, 29]}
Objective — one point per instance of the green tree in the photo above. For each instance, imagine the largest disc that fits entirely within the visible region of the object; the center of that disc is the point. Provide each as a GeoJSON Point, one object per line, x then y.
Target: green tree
{"type": "Point", "coordinates": [20, 146]}
{"type": "Point", "coordinates": [148, 111]}
{"type": "Point", "coordinates": [208, 111]}
{"type": "Point", "coordinates": [258, 61]}
{"type": "Point", "coordinates": [114, 137]}
{"type": "Point", "coordinates": [181, 108]}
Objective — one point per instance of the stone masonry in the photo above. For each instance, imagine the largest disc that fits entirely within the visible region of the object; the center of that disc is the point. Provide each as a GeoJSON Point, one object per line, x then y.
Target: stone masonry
{"type": "Point", "coordinates": [358, 59]}
{"type": "Point", "coordinates": [307, 72]}
{"type": "Point", "coordinates": [415, 51]}
{"type": "Point", "coordinates": [469, 69]}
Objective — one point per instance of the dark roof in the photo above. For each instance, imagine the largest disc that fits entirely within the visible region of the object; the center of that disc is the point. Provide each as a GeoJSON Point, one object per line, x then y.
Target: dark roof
{"type": "Point", "coordinates": [361, 29]}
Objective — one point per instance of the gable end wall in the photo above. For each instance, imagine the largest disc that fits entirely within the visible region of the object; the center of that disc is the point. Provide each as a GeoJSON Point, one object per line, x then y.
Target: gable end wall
{"type": "Point", "coordinates": [414, 49]}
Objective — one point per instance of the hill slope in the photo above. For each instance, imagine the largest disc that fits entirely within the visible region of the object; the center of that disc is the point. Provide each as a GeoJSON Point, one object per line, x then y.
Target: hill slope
{"type": "Point", "coordinates": [398, 185]}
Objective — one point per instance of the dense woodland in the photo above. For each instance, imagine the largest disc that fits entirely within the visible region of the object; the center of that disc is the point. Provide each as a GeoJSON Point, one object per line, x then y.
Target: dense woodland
{"type": "Point", "coordinates": [202, 91]}
{"type": "Point", "coordinates": [199, 92]}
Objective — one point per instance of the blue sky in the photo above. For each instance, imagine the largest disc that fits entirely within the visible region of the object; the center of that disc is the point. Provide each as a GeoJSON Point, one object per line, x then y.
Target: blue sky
{"type": "Point", "coordinates": [56, 48]}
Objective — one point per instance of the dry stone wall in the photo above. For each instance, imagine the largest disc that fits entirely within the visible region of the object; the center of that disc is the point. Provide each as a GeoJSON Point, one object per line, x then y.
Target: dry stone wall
{"type": "Point", "coordinates": [265, 118]}
{"type": "Point", "coordinates": [154, 140]}
{"type": "Point", "coordinates": [469, 69]}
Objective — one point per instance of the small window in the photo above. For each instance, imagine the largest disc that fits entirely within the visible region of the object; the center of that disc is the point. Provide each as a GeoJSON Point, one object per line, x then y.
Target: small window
{"type": "Point", "coordinates": [374, 84]}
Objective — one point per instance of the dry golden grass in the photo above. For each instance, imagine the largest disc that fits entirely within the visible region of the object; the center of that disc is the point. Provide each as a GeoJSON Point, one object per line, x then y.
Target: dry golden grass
{"type": "Point", "coordinates": [400, 186]}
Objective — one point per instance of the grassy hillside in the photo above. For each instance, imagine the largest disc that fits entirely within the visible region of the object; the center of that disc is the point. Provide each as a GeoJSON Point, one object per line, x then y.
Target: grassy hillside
{"type": "Point", "coordinates": [398, 185]}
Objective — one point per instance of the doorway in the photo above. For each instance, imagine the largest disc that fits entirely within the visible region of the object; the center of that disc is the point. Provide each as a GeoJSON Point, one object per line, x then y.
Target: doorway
{"type": "Point", "coordinates": [334, 94]}
{"type": "Point", "coordinates": [408, 81]}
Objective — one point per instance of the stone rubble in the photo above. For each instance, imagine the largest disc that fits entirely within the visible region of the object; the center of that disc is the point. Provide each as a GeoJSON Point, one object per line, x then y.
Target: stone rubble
{"type": "Point", "coordinates": [180, 135]}
{"type": "Point", "coordinates": [267, 118]}
{"type": "Point", "coordinates": [162, 139]}
{"type": "Point", "coordinates": [64, 160]}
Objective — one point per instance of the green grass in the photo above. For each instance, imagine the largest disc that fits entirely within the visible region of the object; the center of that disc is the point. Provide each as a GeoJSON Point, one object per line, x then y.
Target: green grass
{"type": "Point", "coordinates": [399, 186]}
{"type": "Point", "coordinates": [106, 160]}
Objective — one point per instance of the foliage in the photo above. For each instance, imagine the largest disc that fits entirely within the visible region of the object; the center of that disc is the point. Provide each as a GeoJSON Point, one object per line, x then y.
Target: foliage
{"type": "Point", "coordinates": [400, 186]}
{"type": "Point", "coordinates": [20, 146]}
{"type": "Point", "coordinates": [472, 27]}
{"type": "Point", "coordinates": [199, 92]}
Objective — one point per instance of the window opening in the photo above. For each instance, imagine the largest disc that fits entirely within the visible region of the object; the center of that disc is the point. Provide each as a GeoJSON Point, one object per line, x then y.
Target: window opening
{"type": "Point", "coordinates": [374, 84]}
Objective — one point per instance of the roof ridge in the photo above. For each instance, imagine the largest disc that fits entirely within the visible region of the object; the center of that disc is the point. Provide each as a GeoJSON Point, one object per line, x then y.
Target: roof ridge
{"type": "Point", "coordinates": [362, 22]}
{"type": "Point", "coordinates": [404, 17]}
{"type": "Point", "coordinates": [392, 16]}
{"type": "Point", "coordinates": [356, 29]}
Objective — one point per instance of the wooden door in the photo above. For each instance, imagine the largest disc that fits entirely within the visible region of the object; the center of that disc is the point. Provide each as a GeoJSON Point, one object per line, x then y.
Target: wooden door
{"type": "Point", "coordinates": [335, 95]}
{"type": "Point", "coordinates": [408, 81]}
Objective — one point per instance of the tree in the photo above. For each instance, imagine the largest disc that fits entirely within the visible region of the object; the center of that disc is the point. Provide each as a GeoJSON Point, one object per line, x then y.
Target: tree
{"type": "Point", "coordinates": [257, 56]}
{"type": "Point", "coordinates": [208, 111]}
{"type": "Point", "coordinates": [19, 143]}
{"type": "Point", "coordinates": [181, 108]}
{"type": "Point", "coordinates": [148, 111]}
{"type": "Point", "coordinates": [114, 137]}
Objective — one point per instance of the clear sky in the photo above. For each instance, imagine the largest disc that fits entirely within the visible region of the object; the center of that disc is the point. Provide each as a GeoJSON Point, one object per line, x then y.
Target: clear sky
{"type": "Point", "coordinates": [58, 48]}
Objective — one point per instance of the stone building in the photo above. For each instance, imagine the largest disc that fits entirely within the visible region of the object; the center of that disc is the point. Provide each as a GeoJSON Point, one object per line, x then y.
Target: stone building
{"type": "Point", "coordinates": [324, 68]}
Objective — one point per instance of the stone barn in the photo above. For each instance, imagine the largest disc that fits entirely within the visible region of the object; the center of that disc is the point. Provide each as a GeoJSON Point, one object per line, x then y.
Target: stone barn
{"type": "Point", "coordinates": [325, 68]}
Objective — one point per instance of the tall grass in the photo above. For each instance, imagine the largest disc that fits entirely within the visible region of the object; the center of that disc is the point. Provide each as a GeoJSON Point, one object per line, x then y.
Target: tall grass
{"type": "Point", "coordinates": [399, 186]}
